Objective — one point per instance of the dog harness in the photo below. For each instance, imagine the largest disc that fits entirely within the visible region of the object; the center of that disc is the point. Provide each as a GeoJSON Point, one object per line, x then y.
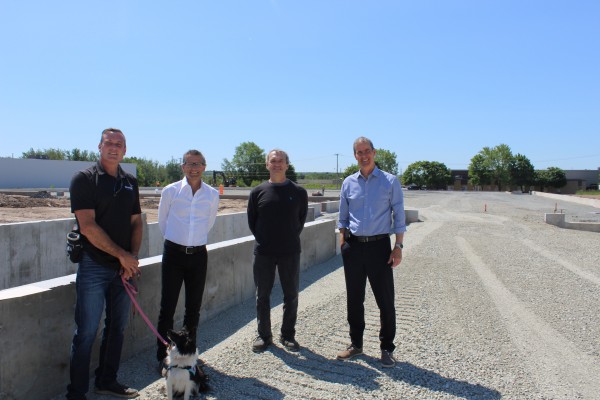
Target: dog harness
{"type": "Point", "coordinates": [191, 370]}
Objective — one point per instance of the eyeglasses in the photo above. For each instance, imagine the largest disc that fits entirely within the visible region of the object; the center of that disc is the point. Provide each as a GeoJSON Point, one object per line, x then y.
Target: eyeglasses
{"type": "Point", "coordinates": [366, 152]}
{"type": "Point", "coordinates": [194, 164]}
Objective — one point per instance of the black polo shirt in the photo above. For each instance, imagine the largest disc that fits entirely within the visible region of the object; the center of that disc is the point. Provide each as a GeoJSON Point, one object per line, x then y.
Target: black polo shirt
{"type": "Point", "coordinates": [114, 199]}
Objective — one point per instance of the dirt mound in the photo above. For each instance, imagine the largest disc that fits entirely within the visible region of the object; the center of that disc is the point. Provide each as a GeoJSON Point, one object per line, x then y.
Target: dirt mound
{"type": "Point", "coordinates": [20, 208]}
{"type": "Point", "coordinates": [19, 201]}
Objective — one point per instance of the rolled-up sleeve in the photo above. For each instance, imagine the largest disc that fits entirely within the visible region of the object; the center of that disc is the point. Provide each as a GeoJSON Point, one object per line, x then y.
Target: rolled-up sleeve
{"type": "Point", "coordinates": [344, 215]}
{"type": "Point", "coordinates": [397, 204]}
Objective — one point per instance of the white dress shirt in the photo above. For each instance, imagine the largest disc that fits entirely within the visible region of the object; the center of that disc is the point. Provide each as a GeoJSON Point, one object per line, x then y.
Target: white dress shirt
{"type": "Point", "coordinates": [185, 218]}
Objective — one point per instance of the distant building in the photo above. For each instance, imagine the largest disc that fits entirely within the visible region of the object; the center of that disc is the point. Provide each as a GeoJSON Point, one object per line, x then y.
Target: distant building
{"type": "Point", "coordinates": [577, 179]}
{"type": "Point", "coordinates": [24, 173]}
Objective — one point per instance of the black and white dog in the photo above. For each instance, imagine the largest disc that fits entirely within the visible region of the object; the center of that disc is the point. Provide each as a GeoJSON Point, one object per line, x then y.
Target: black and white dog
{"type": "Point", "coordinates": [183, 373]}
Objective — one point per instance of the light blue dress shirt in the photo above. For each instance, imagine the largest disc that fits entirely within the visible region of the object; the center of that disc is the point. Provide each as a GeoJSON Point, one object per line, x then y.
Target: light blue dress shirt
{"type": "Point", "coordinates": [372, 206]}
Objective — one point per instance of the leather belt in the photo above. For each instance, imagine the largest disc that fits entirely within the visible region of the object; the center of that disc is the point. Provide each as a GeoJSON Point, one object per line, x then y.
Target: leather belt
{"type": "Point", "coordinates": [365, 239]}
{"type": "Point", "coordinates": [185, 249]}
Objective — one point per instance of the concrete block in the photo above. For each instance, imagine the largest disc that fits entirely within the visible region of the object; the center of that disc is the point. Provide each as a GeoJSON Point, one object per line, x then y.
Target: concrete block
{"type": "Point", "coordinates": [330, 206]}
{"type": "Point", "coordinates": [411, 216]}
{"type": "Point", "coordinates": [556, 219]}
{"type": "Point", "coordinates": [316, 207]}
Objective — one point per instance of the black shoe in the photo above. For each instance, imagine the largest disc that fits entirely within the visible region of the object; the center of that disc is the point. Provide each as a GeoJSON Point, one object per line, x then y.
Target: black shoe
{"type": "Point", "coordinates": [290, 344]}
{"type": "Point", "coordinates": [387, 359]}
{"type": "Point", "coordinates": [117, 390]}
{"type": "Point", "coordinates": [260, 344]}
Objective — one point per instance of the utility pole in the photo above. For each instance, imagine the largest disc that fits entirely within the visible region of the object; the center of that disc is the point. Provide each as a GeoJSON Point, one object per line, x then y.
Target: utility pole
{"type": "Point", "coordinates": [337, 171]}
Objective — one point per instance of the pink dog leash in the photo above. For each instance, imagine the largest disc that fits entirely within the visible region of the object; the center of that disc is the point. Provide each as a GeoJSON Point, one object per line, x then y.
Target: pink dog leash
{"type": "Point", "coordinates": [132, 292]}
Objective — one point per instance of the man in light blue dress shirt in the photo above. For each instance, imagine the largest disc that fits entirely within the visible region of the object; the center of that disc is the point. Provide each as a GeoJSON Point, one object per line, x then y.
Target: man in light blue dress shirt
{"type": "Point", "coordinates": [371, 207]}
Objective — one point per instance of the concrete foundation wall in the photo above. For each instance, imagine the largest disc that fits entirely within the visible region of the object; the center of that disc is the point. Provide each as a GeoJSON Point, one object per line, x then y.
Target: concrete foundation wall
{"type": "Point", "coordinates": [35, 251]}
{"type": "Point", "coordinates": [558, 219]}
{"type": "Point", "coordinates": [36, 320]}
{"type": "Point", "coordinates": [330, 206]}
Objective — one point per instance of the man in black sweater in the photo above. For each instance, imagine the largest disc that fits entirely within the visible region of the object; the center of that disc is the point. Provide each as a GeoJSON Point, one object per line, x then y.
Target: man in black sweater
{"type": "Point", "coordinates": [276, 214]}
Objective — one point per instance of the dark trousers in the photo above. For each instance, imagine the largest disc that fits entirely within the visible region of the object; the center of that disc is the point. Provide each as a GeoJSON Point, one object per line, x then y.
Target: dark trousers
{"type": "Point", "coordinates": [264, 276]}
{"type": "Point", "coordinates": [179, 268]}
{"type": "Point", "coordinates": [364, 261]}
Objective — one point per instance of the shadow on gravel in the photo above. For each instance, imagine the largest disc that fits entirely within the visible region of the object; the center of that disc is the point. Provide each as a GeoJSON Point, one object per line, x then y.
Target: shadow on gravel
{"type": "Point", "coordinates": [435, 382]}
{"type": "Point", "coordinates": [330, 370]}
{"type": "Point", "coordinates": [230, 321]}
{"type": "Point", "coordinates": [233, 387]}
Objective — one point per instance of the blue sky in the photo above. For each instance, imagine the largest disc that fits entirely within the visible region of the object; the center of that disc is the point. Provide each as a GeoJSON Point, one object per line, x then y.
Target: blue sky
{"type": "Point", "coordinates": [428, 80]}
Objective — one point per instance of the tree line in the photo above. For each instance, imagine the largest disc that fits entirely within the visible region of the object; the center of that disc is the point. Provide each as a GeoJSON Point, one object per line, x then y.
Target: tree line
{"type": "Point", "coordinates": [495, 166]}
{"type": "Point", "coordinates": [492, 166]}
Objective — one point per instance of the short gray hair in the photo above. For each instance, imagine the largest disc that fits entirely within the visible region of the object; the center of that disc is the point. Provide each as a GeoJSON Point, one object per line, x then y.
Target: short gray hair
{"type": "Point", "coordinates": [362, 139]}
{"type": "Point", "coordinates": [287, 158]}
{"type": "Point", "coordinates": [193, 152]}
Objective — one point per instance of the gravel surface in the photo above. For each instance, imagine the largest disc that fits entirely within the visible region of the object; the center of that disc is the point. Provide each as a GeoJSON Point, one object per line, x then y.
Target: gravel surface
{"type": "Point", "coordinates": [491, 303]}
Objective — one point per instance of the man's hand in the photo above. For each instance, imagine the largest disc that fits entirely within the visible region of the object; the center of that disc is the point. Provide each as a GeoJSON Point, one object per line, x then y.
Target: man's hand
{"type": "Point", "coordinates": [395, 257]}
{"type": "Point", "coordinates": [129, 265]}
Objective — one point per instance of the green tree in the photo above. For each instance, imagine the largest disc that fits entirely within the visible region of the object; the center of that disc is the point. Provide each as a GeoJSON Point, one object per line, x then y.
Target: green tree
{"type": "Point", "coordinates": [82, 155]}
{"type": "Point", "coordinates": [58, 154]}
{"type": "Point", "coordinates": [433, 174]}
{"type": "Point", "coordinates": [291, 173]}
{"type": "Point", "coordinates": [553, 177]}
{"type": "Point", "coordinates": [148, 171]}
{"type": "Point", "coordinates": [384, 159]}
{"type": "Point", "coordinates": [522, 172]}
{"type": "Point", "coordinates": [492, 166]}
{"type": "Point", "coordinates": [247, 164]}
{"type": "Point", "coordinates": [173, 171]}
{"type": "Point", "coordinates": [46, 154]}
{"type": "Point", "coordinates": [351, 169]}
{"type": "Point", "coordinates": [479, 173]}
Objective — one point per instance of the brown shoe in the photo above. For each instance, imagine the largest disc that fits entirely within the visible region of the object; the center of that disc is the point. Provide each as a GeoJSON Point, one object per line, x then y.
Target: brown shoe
{"type": "Point", "coordinates": [348, 354]}
{"type": "Point", "coordinates": [260, 344]}
{"type": "Point", "coordinates": [387, 359]}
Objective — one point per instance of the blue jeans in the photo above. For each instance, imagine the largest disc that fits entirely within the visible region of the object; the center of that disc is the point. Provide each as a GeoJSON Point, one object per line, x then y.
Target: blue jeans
{"type": "Point", "coordinates": [264, 277]}
{"type": "Point", "coordinates": [97, 286]}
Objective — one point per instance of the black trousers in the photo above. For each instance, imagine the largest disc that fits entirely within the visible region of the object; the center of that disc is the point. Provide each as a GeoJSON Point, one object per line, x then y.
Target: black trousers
{"type": "Point", "coordinates": [264, 276]}
{"type": "Point", "coordinates": [179, 268]}
{"type": "Point", "coordinates": [364, 261]}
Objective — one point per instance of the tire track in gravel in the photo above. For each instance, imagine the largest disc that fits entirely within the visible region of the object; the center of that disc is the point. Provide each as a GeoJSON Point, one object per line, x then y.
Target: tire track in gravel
{"type": "Point", "coordinates": [568, 265]}
{"type": "Point", "coordinates": [561, 369]}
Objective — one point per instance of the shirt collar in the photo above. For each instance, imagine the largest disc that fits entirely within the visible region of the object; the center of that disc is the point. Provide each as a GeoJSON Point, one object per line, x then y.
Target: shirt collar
{"type": "Point", "coordinates": [102, 171]}
{"type": "Point", "coordinates": [376, 172]}
{"type": "Point", "coordinates": [184, 183]}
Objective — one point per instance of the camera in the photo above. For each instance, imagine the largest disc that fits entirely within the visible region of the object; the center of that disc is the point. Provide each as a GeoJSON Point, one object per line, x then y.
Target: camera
{"type": "Point", "coordinates": [74, 246]}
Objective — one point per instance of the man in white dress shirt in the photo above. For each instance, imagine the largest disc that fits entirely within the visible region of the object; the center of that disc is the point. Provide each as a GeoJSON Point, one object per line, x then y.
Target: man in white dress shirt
{"type": "Point", "coordinates": [186, 213]}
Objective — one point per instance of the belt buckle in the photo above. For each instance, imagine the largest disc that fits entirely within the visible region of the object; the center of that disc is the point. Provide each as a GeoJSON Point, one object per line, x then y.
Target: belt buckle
{"type": "Point", "coordinates": [189, 250]}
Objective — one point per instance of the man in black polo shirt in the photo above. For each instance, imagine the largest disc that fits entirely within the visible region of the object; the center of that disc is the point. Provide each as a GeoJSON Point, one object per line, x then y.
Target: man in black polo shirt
{"type": "Point", "coordinates": [105, 200]}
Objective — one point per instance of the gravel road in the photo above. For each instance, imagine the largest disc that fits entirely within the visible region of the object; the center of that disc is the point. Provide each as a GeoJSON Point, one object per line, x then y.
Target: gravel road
{"type": "Point", "coordinates": [491, 303]}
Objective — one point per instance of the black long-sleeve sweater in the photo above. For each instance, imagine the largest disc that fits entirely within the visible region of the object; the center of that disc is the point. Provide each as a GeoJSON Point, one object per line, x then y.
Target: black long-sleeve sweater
{"type": "Point", "coordinates": [276, 216]}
